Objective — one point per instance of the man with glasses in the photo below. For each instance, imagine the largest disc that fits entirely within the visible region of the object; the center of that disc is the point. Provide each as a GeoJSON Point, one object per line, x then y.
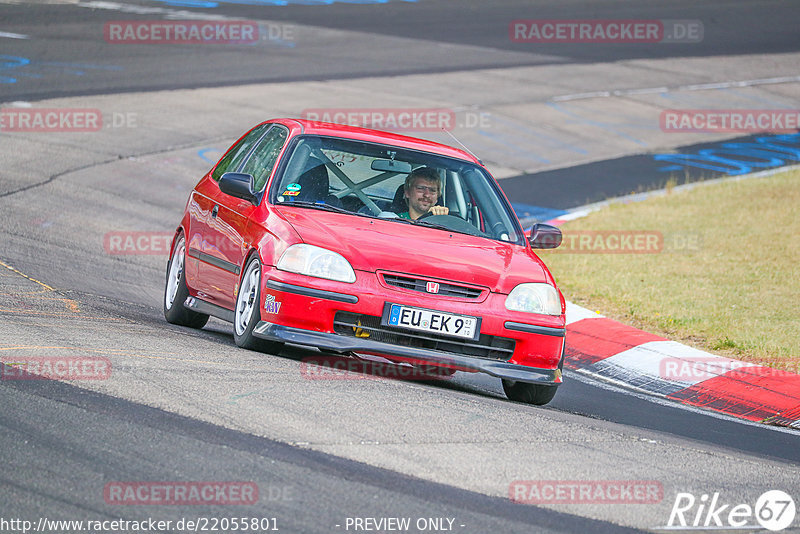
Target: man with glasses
{"type": "Point", "coordinates": [421, 192]}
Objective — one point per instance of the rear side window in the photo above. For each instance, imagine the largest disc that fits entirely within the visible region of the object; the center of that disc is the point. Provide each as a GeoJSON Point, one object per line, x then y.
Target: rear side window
{"type": "Point", "coordinates": [237, 153]}
{"type": "Point", "coordinates": [265, 155]}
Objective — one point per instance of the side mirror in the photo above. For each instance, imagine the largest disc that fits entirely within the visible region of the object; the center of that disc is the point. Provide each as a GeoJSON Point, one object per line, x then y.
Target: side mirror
{"type": "Point", "coordinates": [544, 236]}
{"type": "Point", "coordinates": [239, 185]}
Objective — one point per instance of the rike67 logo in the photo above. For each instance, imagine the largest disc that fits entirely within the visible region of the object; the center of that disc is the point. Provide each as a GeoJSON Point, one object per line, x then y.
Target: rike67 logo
{"type": "Point", "coordinates": [774, 510]}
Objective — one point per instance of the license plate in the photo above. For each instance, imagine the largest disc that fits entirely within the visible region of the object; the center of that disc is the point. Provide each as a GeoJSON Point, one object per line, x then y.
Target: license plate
{"type": "Point", "coordinates": [448, 324]}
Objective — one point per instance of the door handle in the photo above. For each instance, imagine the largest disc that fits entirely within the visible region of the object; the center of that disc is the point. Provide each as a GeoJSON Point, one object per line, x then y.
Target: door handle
{"type": "Point", "coordinates": [214, 211]}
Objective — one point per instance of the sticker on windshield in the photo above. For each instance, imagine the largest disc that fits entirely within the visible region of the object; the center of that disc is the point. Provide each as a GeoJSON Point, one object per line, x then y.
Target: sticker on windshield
{"type": "Point", "coordinates": [292, 190]}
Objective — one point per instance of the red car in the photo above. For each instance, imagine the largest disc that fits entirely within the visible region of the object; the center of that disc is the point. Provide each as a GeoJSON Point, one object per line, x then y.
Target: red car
{"type": "Point", "coordinates": [358, 241]}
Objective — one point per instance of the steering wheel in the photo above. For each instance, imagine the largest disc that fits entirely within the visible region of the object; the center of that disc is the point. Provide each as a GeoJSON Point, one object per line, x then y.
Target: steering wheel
{"type": "Point", "coordinates": [430, 213]}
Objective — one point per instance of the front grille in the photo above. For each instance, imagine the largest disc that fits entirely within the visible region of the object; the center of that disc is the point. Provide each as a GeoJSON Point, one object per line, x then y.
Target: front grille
{"type": "Point", "coordinates": [445, 289]}
{"type": "Point", "coordinates": [369, 326]}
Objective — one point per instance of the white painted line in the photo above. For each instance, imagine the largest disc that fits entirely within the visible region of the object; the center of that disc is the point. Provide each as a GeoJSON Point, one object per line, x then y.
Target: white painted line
{"type": "Point", "coordinates": [577, 313]}
{"type": "Point", "coordinates": [670, 362]}
{"type": "Point", "coordinates": [579, 96]}
{"type": "Point", "coordinates": [709, 86]}
{"type": "Point", "coordinates": [175, 14]}
{"type": "Point", "coordinates": [14, 35]}
{"type": "Point", "coordinates": [647, 91]}
{"type": "Point", "coordinates": [574, 215]}
{"type": "Point", "coordinates": [679, 88]}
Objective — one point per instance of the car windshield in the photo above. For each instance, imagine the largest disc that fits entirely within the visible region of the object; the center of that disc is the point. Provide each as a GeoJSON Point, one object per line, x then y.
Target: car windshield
{"type": "Point", "coordinates": [368, 179]}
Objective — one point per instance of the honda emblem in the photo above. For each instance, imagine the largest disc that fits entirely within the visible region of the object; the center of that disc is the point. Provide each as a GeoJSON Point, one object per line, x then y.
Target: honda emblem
{"type": "Point", "coordinates": [432, 287]}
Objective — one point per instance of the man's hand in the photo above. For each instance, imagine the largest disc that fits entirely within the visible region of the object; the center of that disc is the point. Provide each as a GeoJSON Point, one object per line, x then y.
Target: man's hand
{"type": "Point", "coordinates": [439, 210]}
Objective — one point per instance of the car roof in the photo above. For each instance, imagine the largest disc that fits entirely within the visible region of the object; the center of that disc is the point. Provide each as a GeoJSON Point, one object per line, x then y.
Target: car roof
{"type": "Point", "coordinates": [374, 136]}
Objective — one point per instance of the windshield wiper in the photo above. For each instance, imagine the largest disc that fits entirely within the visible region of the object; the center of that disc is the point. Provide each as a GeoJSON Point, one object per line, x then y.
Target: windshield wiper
{"type": "Point", "coordinates": [434, 225]}
{"type": "Point", "coordinates": [428, 224]}
{"type": "Point", "coordinates": [318, 205]}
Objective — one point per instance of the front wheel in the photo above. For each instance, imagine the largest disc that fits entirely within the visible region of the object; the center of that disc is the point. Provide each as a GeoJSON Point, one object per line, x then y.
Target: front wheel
{"type": "Point", "coordinates": [247, 313]}
{"type": "Point", "coordinates": [175, 291]}
{"type": "Point", "coordinates": [538, 394]}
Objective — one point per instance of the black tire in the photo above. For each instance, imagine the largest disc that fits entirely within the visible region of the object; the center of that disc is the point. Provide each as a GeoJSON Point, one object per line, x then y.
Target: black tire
{"type": "Point", "coordinates": [247, 312]}
{"type": "Point", "coordinates": [538, 394]}
{"type": "Point", "coordinates": [175, 290]}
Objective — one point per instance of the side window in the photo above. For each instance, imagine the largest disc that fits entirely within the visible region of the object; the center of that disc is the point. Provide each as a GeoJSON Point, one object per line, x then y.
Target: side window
{"type": "Point", "coordinates": [235, 156]}
{"type": "Point", "coordinates": [265, 155]}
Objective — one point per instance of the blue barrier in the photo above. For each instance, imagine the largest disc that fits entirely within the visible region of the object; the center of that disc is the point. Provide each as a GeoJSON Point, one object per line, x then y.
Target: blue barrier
{"type": "Point", "coordinates": [738, 158]}
{"type": "Point", "coordinates": [15, 62]}
{"type": "Point", "coordinates": [11, 62]}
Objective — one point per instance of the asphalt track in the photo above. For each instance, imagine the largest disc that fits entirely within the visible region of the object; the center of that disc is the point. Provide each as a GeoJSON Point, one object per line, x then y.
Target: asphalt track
{"type": "Point", "coordinates": [189, 406]}
{"type": "Point", "coordinates": [72, 39]}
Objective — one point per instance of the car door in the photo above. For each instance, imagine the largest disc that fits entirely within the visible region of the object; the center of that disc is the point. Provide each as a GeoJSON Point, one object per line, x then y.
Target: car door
{"type": "Point", "coordinates": [226, 244]}
{"type": "Point", "coordinates": [202, 238]}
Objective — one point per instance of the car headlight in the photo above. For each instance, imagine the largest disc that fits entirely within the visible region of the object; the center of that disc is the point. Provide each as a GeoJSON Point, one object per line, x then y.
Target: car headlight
{"type": "Point", "coordinates": [534, 298]}
{"type": "Point", "coordinates": [316, 261]}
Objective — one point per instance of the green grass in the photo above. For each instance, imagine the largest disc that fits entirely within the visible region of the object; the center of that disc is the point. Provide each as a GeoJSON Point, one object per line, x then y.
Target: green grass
{"type": "Point", "coordinates": [728, 277]}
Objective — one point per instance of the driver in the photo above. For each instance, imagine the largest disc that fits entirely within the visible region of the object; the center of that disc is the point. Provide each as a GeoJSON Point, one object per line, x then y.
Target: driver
{"type": "Point", "coordinates": [421, 192]}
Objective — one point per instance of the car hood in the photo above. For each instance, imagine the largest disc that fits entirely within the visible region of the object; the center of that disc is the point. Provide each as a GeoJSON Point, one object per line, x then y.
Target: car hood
{"type": "Point", "coordinates": [371, 244]}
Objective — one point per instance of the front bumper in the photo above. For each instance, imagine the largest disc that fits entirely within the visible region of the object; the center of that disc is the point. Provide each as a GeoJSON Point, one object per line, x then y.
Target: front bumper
{"type": "Point", "coordinates": [336, 342]}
